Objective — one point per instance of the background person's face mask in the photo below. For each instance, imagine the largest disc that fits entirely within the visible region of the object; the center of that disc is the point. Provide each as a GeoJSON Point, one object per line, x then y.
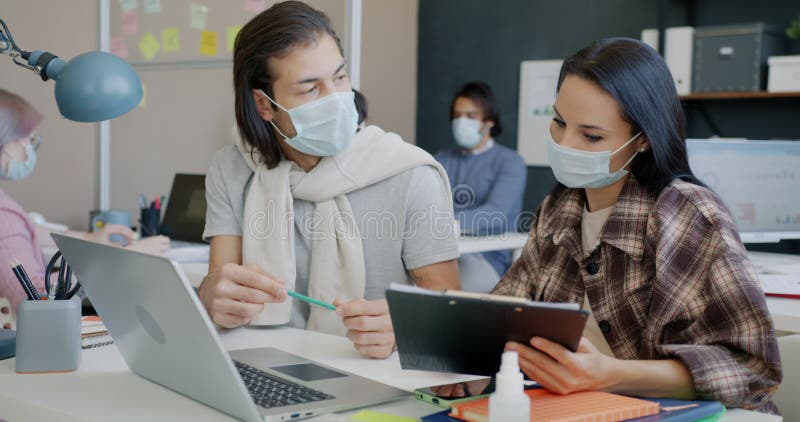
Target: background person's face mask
{"type": "Point", "coordinates": [18, 169]}
{"type": "Point", "coordinates": [467, 132]}
{"type": "Point", "coordinates": [575, 168]}
{"type": "Point", "coordinates": [325, 126]}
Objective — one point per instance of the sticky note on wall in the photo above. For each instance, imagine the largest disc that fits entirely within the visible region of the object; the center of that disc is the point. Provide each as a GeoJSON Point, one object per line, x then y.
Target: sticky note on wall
{"type": "Point", "coordinates": [119, 47]}
{"type": "Point", "coordinates": [149, 46]}
{"type": "Point", "coordinates": [152, 6]}
{"type": "Point", "coordinates": [130, 23]}
{"type": "Point", "coordinates": [128, 5]}
{"type": "Point", "coordinates": [208, 43]}
{"type": "Point", "coordinates": [170, 40]}
{"type": "Point", "coordinates": [254, 6]}
{"type": "Point", "coordinates": [198, 16]}
{"type": "Point", "coordinates": [143, 102]}
{"type": "Point", "coordinates": [233, 31]}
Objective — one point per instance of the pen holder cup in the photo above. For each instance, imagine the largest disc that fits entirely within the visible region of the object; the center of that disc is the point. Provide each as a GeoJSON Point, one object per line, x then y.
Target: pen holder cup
{"type": "Point", "coordinates": [149, 221]}
{"type": "Point", "coordinates": [48, 335]}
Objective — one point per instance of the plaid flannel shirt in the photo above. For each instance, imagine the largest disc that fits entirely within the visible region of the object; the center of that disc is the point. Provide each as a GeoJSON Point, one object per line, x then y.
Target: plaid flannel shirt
{"type": "Point", "coordinates": [669, 278]}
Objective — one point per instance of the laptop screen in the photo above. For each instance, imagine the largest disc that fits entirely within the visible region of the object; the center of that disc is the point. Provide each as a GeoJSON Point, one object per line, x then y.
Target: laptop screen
{"type": "Point", "coordinates": [185, 216]}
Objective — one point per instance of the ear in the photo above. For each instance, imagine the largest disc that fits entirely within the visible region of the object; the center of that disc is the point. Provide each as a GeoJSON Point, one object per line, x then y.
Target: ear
{"type": "Point", "coordinates": [263, 105]}
{"type": "Point", "coordinates": [643, 145]}
{"type": "Point", "coordinates": [489, 124]}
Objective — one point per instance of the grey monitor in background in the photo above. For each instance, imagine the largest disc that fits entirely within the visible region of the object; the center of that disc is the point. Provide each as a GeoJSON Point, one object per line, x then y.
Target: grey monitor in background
{"type": "Point", "coordinates": [759, 181]}
{"type": "Point", "coordinates": [185, 216]}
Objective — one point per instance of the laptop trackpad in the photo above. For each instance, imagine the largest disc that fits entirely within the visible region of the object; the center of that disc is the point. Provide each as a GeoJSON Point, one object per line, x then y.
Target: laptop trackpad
{"type": "Point", "coordinates": [308, 372]}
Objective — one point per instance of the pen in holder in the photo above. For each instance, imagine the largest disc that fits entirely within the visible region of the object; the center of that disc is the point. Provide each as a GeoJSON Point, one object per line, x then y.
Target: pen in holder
{"type": "Point", "coordinates": [149, 222]}
{"type": "Point", "coordinates": [48, 335]}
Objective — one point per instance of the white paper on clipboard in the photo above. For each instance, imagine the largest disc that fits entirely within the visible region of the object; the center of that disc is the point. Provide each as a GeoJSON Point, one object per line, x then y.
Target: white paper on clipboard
{"type": "Point", "coordinates": [537, 94]}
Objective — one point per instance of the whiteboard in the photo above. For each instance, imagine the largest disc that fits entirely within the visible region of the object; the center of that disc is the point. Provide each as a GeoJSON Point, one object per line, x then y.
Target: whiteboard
{"type": "Point", "coordinates": [537, 94]}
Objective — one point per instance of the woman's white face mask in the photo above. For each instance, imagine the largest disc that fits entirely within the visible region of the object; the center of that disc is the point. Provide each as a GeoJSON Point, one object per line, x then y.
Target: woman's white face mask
{"type": "Point", "coordinates": [14, 168]}
{"type": "Point", "coordinates": [576, 168]}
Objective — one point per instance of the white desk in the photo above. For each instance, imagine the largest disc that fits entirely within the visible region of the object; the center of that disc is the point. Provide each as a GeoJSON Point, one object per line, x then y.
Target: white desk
{"type": "Point", "coordinates": [104, 389]}
{"type": "Point", "coordinates": [499, 242]}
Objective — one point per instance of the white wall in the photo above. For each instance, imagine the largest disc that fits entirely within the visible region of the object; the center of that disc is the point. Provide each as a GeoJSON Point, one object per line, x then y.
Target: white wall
{"type": "Point", "coordinates": [63, 185]}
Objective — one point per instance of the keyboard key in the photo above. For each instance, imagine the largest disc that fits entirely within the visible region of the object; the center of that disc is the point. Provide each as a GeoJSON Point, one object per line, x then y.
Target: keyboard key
{"type": "Point", "coordinates": [268, 391]}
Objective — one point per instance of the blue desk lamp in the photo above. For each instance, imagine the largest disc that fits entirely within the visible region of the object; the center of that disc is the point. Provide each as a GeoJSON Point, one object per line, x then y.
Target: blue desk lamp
{"type": "Point", "coordinates": [92, 87]}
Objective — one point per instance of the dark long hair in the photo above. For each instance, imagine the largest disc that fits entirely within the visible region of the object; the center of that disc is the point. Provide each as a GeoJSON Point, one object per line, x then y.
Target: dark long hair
{"type": "Point", "coordinates": [481, 94]}
{"type": "Point", "coordinates": [273, 33]}
{"type": "Point", "coordinates": [639, 80]}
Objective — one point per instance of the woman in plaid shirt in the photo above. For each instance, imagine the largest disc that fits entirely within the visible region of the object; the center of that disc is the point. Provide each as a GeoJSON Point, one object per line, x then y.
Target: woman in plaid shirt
{"type": "Point", "coordinates": [677, 309]}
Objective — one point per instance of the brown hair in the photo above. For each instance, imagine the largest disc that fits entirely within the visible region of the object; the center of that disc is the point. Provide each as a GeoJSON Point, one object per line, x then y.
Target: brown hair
{"type": "Point", "coordinates": [273, 33]}
{"type": "Point", "coordinates": [17, 117]}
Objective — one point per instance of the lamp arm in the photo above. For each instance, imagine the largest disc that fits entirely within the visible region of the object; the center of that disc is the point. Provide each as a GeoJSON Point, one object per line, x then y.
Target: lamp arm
{"type": "Point", "coordinates": [7, 44]}
{"type": "Point", "coordinates": [45, 64]}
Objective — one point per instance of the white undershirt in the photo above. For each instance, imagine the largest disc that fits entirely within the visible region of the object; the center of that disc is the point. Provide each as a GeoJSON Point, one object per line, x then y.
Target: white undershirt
{"type": "Point", "coordinates": [483, 149]}
{"type": "Point", "coordinates": [591, 226]}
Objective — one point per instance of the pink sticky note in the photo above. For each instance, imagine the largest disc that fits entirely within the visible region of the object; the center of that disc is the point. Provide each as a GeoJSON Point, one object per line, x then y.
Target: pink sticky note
{"type": "Point", "coordinates": [119, 47]}
{"type": "Point", "coordinates": [130, 23]}
{"type": "Point", "coordinates": [254, 6]}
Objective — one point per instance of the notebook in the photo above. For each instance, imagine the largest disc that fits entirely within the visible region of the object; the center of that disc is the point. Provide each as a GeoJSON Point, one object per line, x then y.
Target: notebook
{"type": "Point", "coordinates": [583, 406]}
{"type": "Point", "coordinates": [672, 410]}
{"type": "Point", "coordinates": [92, 324]}
{"type": "Point", "coordinates": [94, 333]}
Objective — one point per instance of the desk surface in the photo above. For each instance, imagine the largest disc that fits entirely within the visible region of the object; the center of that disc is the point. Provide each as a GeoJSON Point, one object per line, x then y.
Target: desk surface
{"type": "Point", "coordinates": [104, 389]}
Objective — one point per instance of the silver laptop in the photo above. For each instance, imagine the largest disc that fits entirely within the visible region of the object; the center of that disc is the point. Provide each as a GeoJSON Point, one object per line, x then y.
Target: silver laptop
{"type": "Point", "coordinates": [166, 336]}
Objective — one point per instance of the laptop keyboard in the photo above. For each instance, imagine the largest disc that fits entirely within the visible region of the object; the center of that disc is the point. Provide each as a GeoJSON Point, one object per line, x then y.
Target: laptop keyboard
{"type": "Point", "coordinates": [269, 391]}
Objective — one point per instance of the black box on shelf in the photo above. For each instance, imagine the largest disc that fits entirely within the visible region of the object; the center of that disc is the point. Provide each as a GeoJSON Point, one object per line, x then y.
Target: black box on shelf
{"type": "Point", "coordinates": [733, 58]}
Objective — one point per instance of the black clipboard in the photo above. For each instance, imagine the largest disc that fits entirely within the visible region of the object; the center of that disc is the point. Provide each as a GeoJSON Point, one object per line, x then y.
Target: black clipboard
{"type": "Point", "coordinates": [466, 333]}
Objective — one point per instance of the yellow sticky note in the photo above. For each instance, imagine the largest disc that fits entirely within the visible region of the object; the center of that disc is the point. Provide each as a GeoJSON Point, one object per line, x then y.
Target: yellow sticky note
{"type": "Point", "coordinates": [233, 31]}
{"type": "Point", "coordinates": [149, 46]}
{"type": "Point", "coordinates": [143, 102]}
{"type": "Point", "coordinates": [208, 43]}
{"type": "Point", "coordinates": [370, 416]}
{"type": "Point", "coordinates": [170, 39]}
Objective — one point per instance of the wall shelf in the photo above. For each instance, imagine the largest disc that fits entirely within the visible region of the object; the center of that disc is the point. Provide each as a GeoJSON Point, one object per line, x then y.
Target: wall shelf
{"type": "Point", "coordinates": [700, 96]}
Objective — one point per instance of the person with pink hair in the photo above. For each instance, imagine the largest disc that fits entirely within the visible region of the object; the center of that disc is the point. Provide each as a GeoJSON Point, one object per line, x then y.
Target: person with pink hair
{"type": "Point", "coordinates": [19, 236]}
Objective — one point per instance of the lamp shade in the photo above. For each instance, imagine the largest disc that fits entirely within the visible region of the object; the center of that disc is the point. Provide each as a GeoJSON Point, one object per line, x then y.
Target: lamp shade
{"type": "Point", "coordinates": [96, 86]}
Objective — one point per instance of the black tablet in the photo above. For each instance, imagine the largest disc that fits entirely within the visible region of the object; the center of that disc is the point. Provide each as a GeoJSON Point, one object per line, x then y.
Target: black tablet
{"type": "Point", "coordinates": [466, 333]}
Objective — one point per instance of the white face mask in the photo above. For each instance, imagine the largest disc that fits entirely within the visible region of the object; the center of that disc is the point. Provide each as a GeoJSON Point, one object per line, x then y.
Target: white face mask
{"type": "Point", "coordinates": [576, 168]}
{"type": "Point", "coordinates": [467, 132]}
{"type": "Point", "coordinates": [18, 169]}
{"type": "Point", "coordinates": [324, 127]}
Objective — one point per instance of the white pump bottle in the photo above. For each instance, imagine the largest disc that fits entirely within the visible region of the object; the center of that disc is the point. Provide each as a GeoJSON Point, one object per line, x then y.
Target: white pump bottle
{"type": "Point", "coordinates": [509, 403]}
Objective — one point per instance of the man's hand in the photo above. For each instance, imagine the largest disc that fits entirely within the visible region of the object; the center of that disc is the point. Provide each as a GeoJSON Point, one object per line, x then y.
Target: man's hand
{"type": "Point", "coordinates": [234, 294]}
{"type": "Point", "coordinates": [368, 325]}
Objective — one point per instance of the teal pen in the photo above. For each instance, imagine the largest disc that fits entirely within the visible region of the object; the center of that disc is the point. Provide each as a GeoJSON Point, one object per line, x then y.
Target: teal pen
{"type": "Point", "coordinates": [325, 305]}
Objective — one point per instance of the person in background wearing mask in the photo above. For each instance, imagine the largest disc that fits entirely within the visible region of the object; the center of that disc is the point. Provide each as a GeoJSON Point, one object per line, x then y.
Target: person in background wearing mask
{"type": "Point", "coordinates": [19, 237]}
{"type": "Point", "coordinates": [488, 182]}
{"type": "Point", "coordinates": [300, 201]}
{"type": "Point", "coordinates": [676, 306]}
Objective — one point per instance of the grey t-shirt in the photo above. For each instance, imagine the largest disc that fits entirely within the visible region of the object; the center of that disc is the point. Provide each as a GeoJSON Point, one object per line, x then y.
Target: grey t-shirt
{"type": "Point", "coordinates": [406, 222]}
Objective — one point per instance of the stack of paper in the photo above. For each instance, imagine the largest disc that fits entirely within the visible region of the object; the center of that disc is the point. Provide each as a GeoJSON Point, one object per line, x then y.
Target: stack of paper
{"type": "Point", "coordinates": [94, 333]}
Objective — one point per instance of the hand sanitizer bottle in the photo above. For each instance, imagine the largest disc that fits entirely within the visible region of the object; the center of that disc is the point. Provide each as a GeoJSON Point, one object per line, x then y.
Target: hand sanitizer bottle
{"type": "Point", "coordinates": [509, 403]}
